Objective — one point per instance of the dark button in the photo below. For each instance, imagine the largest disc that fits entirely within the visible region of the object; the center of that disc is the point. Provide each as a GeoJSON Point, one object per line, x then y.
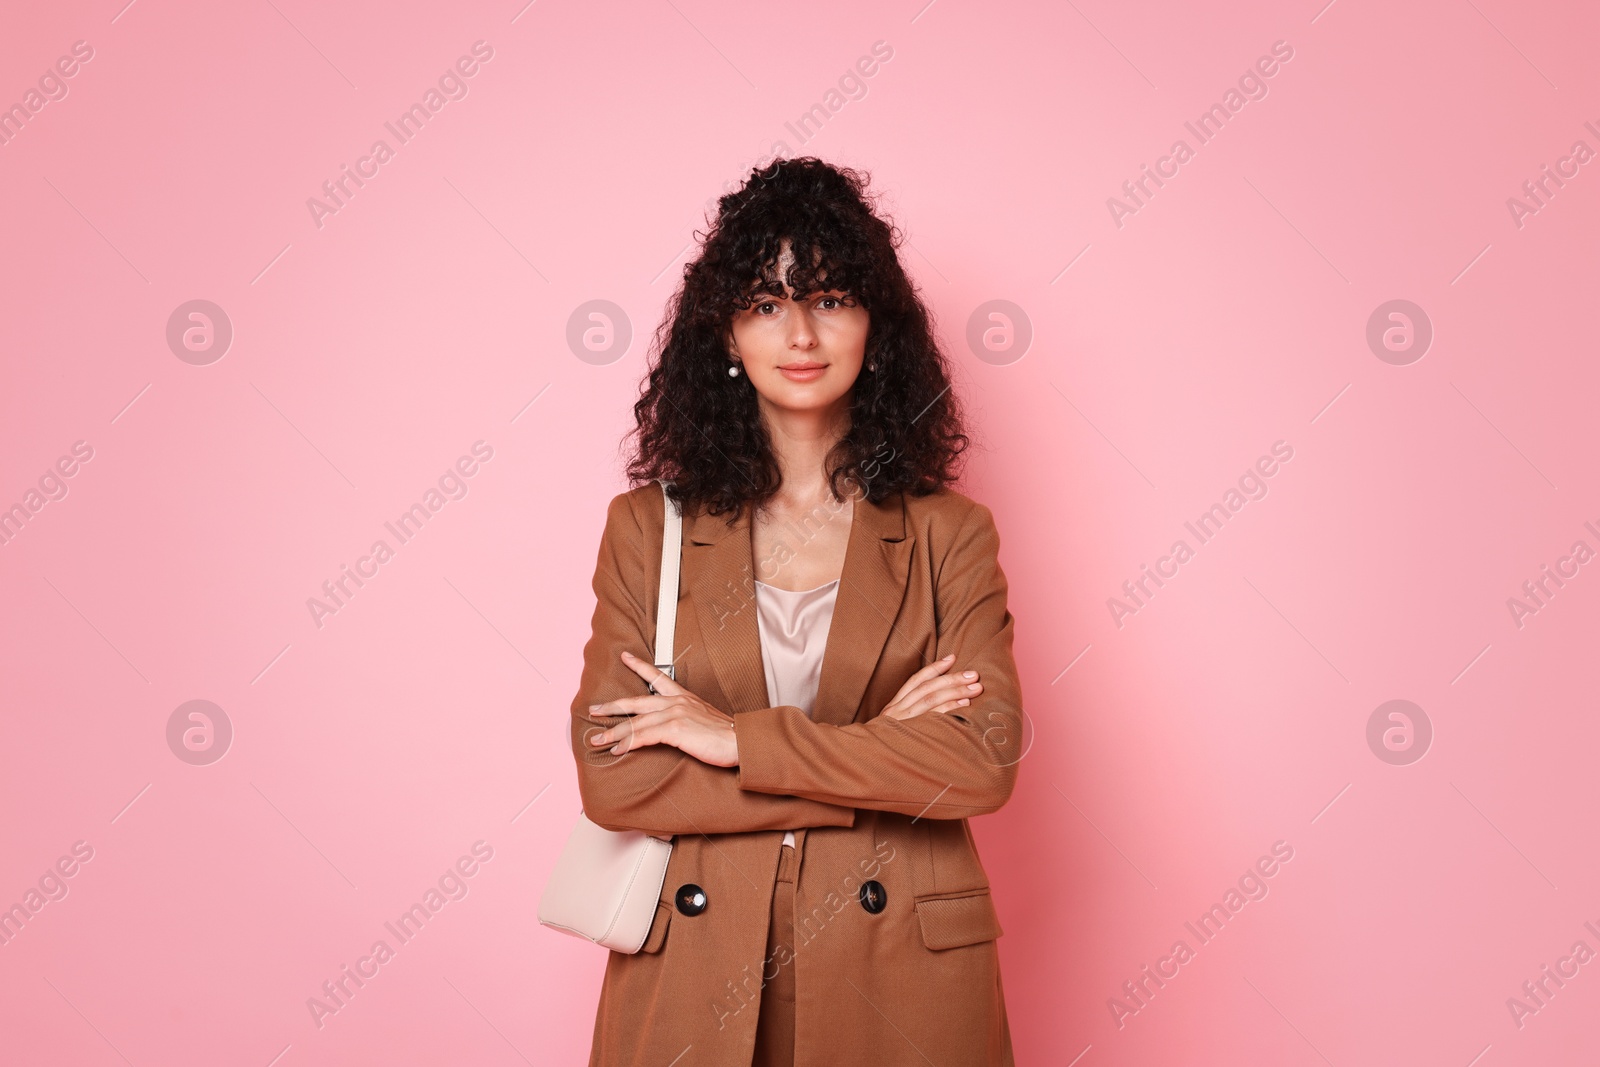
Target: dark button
{"type": "Point", "coordinates": [874, 897]}
{"type": "Point", "coordinates": [692, 899]}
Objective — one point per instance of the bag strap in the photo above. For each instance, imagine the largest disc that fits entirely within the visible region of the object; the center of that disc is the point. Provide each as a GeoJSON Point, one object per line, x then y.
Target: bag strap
{"type": "Point", "coordinates": [667, 601]}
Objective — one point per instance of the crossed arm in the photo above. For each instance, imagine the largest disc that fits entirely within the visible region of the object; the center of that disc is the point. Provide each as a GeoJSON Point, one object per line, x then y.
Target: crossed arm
{"type": "Point", "coordinates": [793, 772]}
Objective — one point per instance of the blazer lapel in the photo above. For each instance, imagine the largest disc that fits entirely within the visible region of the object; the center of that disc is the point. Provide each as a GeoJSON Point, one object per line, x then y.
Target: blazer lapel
{"type": "Point", "coordinates": [719, 569]}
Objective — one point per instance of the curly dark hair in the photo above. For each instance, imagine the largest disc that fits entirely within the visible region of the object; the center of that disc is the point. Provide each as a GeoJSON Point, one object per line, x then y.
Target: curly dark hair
{"type": "Point", "coordinates": [702, 430]}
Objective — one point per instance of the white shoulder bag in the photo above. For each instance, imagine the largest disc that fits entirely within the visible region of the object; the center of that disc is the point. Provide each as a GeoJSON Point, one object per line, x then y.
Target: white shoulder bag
{"type": "Point", "coordinates": [605, 884]}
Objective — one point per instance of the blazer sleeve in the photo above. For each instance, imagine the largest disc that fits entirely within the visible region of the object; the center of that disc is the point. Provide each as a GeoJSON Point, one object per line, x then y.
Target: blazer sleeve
{"type": "Point", "coordinates": [657, 789]}
{"type": "Point", "coordinates": [938, 765]}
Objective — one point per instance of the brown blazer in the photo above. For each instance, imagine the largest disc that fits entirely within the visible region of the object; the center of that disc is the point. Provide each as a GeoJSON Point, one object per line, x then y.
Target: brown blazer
{"type": "Point", "coordinates": [871, 799]}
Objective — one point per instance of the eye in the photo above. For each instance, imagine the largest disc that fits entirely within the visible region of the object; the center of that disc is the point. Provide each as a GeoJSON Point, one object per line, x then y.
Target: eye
{"type": "Point", "coordinates": [764, 304]}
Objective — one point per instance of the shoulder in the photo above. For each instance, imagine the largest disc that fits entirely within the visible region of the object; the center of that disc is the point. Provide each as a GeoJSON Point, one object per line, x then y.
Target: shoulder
{"type": "Point", "coordinates": [948, 517]}
{"type": "Point", "coordinates": [944, 510]}
{"type": "Point", "coordinates": [637, 514]}
{"type": "Point", "coordinates": [642, 500]}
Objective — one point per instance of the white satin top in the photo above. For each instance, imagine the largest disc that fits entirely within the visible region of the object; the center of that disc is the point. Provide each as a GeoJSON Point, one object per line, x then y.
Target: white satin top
{"type": "Point", "coordinates": [794, 632]}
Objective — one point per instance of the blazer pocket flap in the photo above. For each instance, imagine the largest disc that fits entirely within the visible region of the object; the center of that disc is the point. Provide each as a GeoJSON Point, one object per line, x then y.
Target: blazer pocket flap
{"type": "Point", "coordinates": [658, 929]}
{"type": "Point", "coordinates": [959, 919]}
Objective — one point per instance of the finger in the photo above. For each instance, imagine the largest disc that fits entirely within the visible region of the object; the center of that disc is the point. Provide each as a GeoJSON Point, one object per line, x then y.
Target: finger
{"type": "Point", "coordinates": [932, 670]}
{"type": "Point", "coordinates": [945, 688]}
{"type": "Point", "coordinates": [631, 740]}
{"type": "Point", "coordinates": [928, 709]}
{"type": "Point", "coordinates": [630, 731]}
{"type": "Point", "coordinates": [937, 700]}
{"type": "Point", "coordinates": [947, 706]}
{"type": "Point", "coordinates": [658, 678]}
{"type": "Point", "coordinates": [660, 728]}
{"type": "Point", "coordinates": [937, 667]}
{"type": "Point", "coordinates": [941, 694]}
{"type": "Point", "coordinates": [940, 678]}
{"type": "Point", "coordinates": [922, 683]}
{"type": "Point", "coordinates": [621, 706]}
{"type": "Point", "coordinates": [629, 706]}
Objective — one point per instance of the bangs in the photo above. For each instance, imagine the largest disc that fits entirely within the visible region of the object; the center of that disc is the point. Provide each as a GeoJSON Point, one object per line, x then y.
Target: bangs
{"type": "Point", "coordinates": [820, 265]}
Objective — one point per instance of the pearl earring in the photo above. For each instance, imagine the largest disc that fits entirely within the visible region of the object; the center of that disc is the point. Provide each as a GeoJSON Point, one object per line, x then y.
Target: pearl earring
{"type": "Point", "coordinates": [872, 366]}
{"type": "Point", "coordinates": [733, 371]}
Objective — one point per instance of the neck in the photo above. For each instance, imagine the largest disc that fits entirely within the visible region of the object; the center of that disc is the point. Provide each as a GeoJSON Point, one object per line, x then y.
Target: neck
{"type": "Point", "coordinates": [801, 441]}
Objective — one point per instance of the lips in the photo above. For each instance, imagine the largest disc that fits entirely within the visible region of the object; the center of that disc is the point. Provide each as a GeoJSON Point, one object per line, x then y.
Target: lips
{"type": "Point", "coordinates": [803, 371]}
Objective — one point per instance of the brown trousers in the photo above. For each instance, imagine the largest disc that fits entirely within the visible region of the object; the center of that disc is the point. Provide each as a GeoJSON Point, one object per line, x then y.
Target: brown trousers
{"type": "Point", "coordinates": [775, 1025]}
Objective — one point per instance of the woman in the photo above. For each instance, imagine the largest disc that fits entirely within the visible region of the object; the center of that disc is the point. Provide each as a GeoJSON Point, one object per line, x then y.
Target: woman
{"type": "Point", "coordinates": [845, 693]}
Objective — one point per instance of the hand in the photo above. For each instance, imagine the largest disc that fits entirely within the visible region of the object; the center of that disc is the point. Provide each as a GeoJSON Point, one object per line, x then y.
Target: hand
{"type": "Point", "coordinates": [928, 690]}
{"type": "Point", "coordinates": [674, 716]}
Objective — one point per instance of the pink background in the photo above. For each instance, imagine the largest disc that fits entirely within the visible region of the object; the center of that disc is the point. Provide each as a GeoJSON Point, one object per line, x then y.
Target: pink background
{"type": "Point", "coordinates": [1167, 355]}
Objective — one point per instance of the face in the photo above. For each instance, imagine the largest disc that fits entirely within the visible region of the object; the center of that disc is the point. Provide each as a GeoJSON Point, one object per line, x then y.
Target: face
{"type": "Point", "coordinates": [801, 355]}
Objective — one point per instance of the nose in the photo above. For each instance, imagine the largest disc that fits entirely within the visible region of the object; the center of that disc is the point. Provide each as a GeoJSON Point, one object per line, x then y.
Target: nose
{"type": "Point", "coordinates": [802, 332]}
